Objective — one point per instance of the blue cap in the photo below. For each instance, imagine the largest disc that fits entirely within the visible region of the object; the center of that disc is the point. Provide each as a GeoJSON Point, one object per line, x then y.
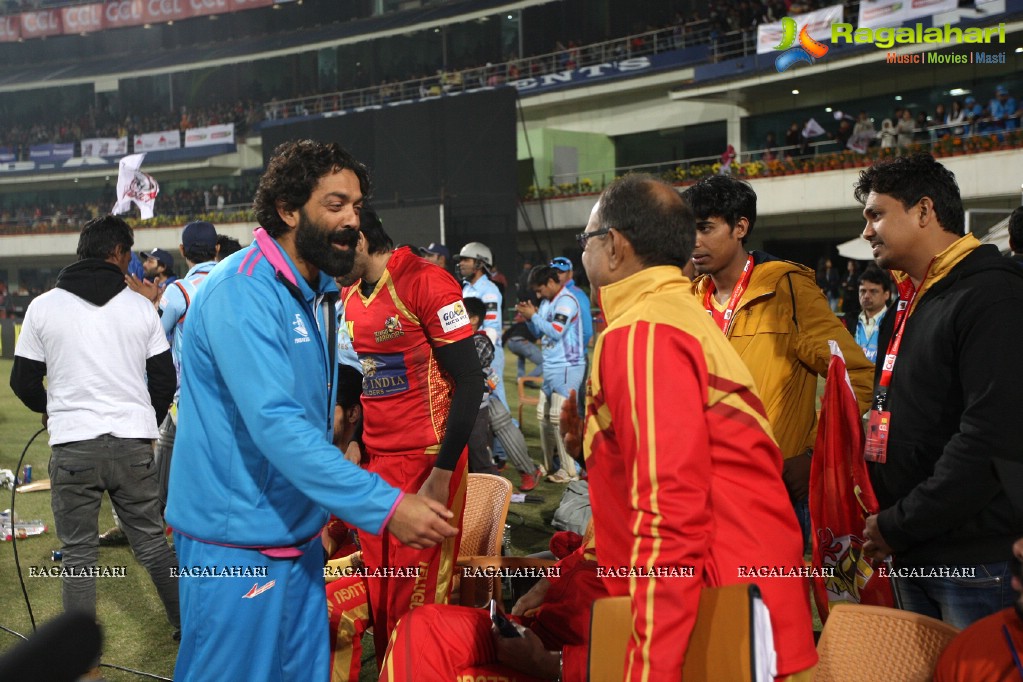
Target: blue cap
{"type": "Point", "coordinates": [199, 233]}
{"type": "Point", "coordinates": [164, 258]}
{"type": "Point", "coordinates": [438, 250]}
{"type": "Point", "coordinates": [561, 264]}
{"type": "Point", "coordinates": [1001, 90]}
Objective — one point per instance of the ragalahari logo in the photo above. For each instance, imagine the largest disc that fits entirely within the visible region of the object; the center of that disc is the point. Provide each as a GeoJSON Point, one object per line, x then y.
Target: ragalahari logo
{"type": "Point", "coordinates": [808, 50]}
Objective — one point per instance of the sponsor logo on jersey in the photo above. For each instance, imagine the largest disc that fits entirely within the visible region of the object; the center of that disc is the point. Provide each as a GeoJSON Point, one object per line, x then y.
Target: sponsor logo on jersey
{"type": "Point", "coordinates": [392, 330]}
{"type": "Point", "coordinates": [384, 375]}
{"type": "Point", "coordinates": [453, 316]}
{"type": "Point", "coordinates": [369, 365]}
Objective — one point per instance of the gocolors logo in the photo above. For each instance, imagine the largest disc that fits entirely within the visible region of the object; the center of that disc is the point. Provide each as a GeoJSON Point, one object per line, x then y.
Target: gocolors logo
{"type": "Point", "coordinates": [808, 50]}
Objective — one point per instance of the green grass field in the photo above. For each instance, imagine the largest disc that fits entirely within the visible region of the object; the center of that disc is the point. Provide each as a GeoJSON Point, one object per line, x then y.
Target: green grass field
{"type": "Point", "coordinates": [136, 632]}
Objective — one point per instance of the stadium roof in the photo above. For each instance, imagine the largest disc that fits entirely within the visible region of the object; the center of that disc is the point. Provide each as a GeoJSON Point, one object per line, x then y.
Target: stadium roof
{"type": "Point", "coordinates": [304, 39]}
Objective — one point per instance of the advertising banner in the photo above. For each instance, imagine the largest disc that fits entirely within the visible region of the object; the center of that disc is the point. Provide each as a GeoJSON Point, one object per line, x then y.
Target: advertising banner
{"type": "Point", "coordinates": [218, 134]}
{"type": "Point", "coordinates": [875, 13]}
{"type": "Point", "coordinates": [153, 142]}
{"type": "Point", "coordinates": [105, 146]}
{"type": "Point", "coordinates": [51, 152]}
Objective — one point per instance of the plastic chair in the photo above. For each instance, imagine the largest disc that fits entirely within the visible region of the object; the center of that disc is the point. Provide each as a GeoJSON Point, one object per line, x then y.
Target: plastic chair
{"type": "Point", "coordinates": [721, 646]}
{"type": "Point", "coordinates": [487, 498]}
{"type": "Point", "coordinates": [525, 398]}
{"type": "Point", "coordinates": [866, 643]}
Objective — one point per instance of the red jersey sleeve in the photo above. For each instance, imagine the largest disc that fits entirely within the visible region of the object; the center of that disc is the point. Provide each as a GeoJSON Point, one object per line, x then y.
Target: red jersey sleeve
{"type": "Point", "coordinates": [439, 307]}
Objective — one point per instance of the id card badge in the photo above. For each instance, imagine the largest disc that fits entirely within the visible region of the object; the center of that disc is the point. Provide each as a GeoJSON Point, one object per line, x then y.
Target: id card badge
{"type": "Point", "coordinates": [876, 448]}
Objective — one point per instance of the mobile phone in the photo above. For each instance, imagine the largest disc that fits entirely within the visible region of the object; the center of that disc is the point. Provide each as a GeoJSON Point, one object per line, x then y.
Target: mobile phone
{"type": "Point", "coordinates": [504, 626]}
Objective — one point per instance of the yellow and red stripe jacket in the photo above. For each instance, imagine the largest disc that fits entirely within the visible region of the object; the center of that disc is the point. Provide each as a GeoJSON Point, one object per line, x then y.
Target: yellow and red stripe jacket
{"type": "Point", "coordinates": [685, 474]}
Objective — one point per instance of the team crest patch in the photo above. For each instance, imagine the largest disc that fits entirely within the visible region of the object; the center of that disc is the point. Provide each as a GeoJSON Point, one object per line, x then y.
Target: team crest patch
{"type": "Point", "coordinates": [453, 316]}
{"type": "Point", "coordinates": [392, 330]}
{"type": "Point", "coordinates": [370, 365]}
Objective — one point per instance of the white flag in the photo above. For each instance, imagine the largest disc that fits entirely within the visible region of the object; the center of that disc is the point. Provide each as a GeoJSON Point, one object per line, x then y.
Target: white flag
{"type": "Point", "coordinates": [812, 129]}
{"type": "Point", "coordinates": [135, 186]}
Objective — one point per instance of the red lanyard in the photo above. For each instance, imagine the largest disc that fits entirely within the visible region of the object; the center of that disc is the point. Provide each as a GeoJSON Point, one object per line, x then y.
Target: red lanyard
{"type": "Point", "coordinates": [907, 294]}
{"type": "Point", "coordinates": [725, 321]}
{"type": "Point", "coordinates": [875, 447]}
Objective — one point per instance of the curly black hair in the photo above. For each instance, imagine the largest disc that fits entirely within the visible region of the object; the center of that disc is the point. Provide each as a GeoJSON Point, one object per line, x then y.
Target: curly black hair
{"type": "Point", "coordinates": [292, 174]}
{"type": "Point", "coordinates": [727, 197]}
{"type": "Point", "coordinates": [911, 178]}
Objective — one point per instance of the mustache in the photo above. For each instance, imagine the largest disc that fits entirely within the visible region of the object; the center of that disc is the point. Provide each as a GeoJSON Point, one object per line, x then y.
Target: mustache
{"type": "Point", "coordinates": [347, 237]}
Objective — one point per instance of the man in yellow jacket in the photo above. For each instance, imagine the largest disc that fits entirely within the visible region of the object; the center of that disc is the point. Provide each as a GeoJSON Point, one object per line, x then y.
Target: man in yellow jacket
{"type": "Point", "coordinates": [776, 318]}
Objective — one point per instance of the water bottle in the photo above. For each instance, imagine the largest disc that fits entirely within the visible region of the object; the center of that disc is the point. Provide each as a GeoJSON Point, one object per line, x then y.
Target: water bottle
{"type": "Point", "coordinates": [22, 529]}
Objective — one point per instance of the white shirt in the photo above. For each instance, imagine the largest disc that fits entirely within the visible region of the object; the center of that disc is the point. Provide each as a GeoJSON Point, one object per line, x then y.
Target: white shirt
{"type": "Point", "coordinates": [95, 363]}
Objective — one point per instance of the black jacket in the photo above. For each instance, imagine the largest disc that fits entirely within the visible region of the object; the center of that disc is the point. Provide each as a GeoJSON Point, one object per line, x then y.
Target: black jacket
{"type": "Point", "coordinates": [951, 491]}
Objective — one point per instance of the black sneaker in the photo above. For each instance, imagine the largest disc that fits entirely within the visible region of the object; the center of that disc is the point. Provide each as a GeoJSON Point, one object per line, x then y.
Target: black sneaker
{"type": "Point", "coordinates": [114, 537]}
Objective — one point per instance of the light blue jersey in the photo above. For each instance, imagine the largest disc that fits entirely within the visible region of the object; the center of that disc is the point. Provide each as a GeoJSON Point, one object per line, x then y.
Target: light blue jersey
{"type": "Point", "coordinates": [485, 290]}
{"type": "Point", "coordinates": [346, 354]}
{"type": "Point", "coordinates": [559, 325]}
{"type": "Point", "coordinates": [584, 310]}
{"type": "Point", "coordinates": [174, 303]}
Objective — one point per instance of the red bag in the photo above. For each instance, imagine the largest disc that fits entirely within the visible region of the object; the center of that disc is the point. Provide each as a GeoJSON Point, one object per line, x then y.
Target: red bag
{"type": "Point", "coordinates": [841, 498]}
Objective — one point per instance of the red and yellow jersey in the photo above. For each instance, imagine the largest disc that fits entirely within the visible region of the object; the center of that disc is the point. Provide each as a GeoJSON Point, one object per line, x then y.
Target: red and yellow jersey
{"type": "Point", "coordinates": [415, 307]}
{"type": "Point", "coordinates": [685, 476]}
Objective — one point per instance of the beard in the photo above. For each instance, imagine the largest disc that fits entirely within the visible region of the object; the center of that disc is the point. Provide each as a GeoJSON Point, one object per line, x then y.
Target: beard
{"type": "Point", "coordinates": [315, 244]}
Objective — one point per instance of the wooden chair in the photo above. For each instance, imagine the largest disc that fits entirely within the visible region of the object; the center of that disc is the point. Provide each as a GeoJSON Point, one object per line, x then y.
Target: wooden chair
{"type": "Point", "coordinates": [721, 646]}
{"type": "Point", "coordinates": [866, 643]}
{"type": "Point", "coordinates": [525, 398]}
{"type": "Point", "coordinates": [487, 498]}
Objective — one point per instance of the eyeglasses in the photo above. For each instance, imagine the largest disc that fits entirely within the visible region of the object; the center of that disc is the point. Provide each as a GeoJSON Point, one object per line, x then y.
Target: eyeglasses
{"type": "Point", "coordinates": [586, 236]}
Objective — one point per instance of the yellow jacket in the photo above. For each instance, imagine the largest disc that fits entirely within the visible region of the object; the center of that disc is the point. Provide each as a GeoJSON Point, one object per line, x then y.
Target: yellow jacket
{"type": "Point", "coordinates": [781, 329]}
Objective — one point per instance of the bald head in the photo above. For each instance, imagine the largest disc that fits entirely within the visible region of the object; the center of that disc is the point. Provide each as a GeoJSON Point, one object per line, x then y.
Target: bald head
{"type": "Point", "coordinates": [651, 215]}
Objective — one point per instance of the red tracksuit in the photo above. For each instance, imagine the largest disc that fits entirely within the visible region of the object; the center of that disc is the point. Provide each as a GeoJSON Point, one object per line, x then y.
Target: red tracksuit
{"type": "Point", "coordinates": [684, 474]}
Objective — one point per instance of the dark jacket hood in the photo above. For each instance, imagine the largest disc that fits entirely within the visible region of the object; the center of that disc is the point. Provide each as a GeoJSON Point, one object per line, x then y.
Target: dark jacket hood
{"type": "Point", "coordinates": [95, 280]}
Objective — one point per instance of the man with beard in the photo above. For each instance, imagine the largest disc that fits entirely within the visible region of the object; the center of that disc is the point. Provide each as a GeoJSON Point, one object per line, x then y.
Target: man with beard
{"type": "Point", "coordinates": [421, 393]}
{"type": "Point", "coordinates": [254, 472]}
{"type": "Point", "coordinates": [158, 268]}
{"type": "Point", "coordinates": [991, 648]}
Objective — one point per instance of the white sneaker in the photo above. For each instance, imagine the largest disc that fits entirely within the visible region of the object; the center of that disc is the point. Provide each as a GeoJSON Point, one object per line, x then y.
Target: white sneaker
{"type": "Point", "coordinates": [559, 476]}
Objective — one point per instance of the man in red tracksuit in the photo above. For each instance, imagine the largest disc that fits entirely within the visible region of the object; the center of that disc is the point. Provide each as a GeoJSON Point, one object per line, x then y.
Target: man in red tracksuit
{"type": "Point", "coordinates": [683, 470]}
{"type": "Point", "coordinates": [421, 390]}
